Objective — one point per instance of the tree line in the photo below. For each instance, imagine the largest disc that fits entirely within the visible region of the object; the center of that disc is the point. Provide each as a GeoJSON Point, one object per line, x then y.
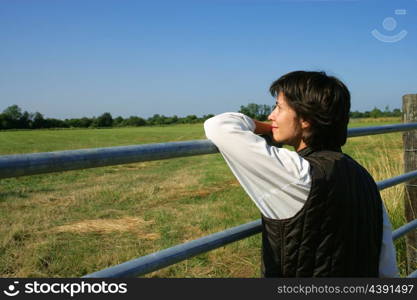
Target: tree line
{"type": "Point", "coordinates": [14, 118]}
{"type": "Point", "coordinates": [377, 113]}
{"type": "Point", "coordinates": [261, 112]}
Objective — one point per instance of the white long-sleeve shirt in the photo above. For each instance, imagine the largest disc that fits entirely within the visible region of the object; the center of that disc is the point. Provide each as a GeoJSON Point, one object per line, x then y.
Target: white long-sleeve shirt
{"type": "Point", "coordinates": [276, 179]}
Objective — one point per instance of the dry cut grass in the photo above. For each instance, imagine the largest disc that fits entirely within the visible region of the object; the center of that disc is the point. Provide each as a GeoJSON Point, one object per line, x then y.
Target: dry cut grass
{"type": "Point", "coordinates": [137, 226]}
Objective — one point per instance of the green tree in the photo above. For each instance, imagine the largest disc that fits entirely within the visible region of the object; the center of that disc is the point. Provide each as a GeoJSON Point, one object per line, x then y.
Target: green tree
{"type": "Point", "coordinates": [376, 113]}
{"type": "Point", "coordinates": [105, 120]}
{"type": "Point", "coordinates": [11, 117]}
{"type": "Point", "coordinates": [155, 120]}
{"type": "Point", "coordinates": [174, 119]}
{"type": "Point", "coordinates": [263, 112]}
{"type": "Point", "coordinates": [205, 117]}
{"type": "Point", "coordinates": [85, 122]}
{"type": "Point", "coordinates": [38, 120]}
{"type": "Point", "coordinates": [396, 112]}
{"type": "Point", "coordinates": [93, 123]}
{"type": "Point", "coordinates": [191, 119]}
{"type": "Point", "coordinates": [54, 123]}
{"type": "Point", "coordinates": [134, 121]}
{"type": "Point", "coordinates": [256, 111]}
{"type": "Point", "coordinates": [13, 112]}
{"type": "Point", "coordinates": [355, 114]}
{"type": "Point", "coordinates": [25, 120]}
{"type": "Point", "coordinates": [2, 122]}
{"type": "Point", "coordinates": [250, 110]}
{"type": "Point", "coordinates": [386, 112]}
{"type": "Point", "coordinates": [117, 121]}
{"type": "Point", "coordinates": [73, 122]}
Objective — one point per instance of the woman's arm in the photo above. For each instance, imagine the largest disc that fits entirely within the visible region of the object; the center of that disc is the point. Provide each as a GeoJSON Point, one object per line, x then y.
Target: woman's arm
{"type": "Point", "coordinates": [262, 127]}
{"type": "Point", "coordinates": [276, 179]}
{"type": "Point", "coordinates": [265, 130]}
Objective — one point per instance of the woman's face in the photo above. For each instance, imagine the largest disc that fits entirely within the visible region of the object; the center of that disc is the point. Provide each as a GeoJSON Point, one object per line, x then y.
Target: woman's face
{"type": "Point", "coordinates": [287, 128]}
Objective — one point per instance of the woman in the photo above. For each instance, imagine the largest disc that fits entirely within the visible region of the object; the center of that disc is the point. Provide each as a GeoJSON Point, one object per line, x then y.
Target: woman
{"type": "Point", "coordinates": [322, 215]}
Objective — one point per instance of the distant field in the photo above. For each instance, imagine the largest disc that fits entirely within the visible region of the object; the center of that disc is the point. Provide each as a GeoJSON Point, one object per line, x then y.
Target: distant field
{"type": "Point", "coordinates": [72, 223]}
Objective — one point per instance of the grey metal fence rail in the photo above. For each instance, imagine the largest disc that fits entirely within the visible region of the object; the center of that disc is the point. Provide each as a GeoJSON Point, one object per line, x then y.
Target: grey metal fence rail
{"type": "Point", "coordinates": [38, 163]}
{"type": "Point", "coordinates": [46, 162]}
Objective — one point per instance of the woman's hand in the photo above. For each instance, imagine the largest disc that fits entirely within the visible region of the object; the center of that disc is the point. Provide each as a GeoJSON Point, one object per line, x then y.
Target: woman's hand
{"type": "Point", "coordinates": [263, 128]}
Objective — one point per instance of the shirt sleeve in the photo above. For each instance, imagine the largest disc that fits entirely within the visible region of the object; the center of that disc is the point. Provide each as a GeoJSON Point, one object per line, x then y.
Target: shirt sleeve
{"type": "Point", "coordinates": [387, 260]}
{"type": "Point", "coordinates": [276, 179]}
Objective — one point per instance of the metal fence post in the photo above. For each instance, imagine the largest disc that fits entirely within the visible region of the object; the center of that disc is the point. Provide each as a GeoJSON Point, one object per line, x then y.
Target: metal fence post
{"type": "Point", "coordinates": [410, 163]}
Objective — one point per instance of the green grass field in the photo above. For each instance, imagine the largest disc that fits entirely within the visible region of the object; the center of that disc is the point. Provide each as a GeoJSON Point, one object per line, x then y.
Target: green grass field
{"type": "Point", "coordinates": [77, 222]}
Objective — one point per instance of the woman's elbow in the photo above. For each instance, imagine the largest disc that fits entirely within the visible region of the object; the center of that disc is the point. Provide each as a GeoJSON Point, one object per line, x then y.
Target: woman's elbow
{"type": "Point", "coordinates": [210, 128]}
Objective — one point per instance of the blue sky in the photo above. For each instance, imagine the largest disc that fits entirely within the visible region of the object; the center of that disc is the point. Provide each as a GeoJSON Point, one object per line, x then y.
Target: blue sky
{"type": "Point", "coordinates": [82, 58]}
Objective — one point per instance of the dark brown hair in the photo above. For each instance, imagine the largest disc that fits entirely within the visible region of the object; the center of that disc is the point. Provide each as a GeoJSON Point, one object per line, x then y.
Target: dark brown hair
{"type": "Point", "coordinates": [323, 101]}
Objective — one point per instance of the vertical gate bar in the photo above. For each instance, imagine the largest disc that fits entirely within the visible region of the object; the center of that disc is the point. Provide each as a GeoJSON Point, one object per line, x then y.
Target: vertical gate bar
{"type": "Point", "coordinates": [410, 163]}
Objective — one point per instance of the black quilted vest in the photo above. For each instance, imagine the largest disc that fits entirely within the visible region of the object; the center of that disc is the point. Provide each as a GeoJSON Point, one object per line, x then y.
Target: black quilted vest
{"type": "Point", "coordinates": [337, 233]}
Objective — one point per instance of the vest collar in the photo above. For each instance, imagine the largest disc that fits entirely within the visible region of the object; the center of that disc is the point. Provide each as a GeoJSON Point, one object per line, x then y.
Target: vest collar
{"type": "Point", "coordinates": [307, 151]}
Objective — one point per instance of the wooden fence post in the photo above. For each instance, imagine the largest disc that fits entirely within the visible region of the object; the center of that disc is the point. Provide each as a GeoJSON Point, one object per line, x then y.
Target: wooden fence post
{"type": "Point", "coordinates": [410, 164]}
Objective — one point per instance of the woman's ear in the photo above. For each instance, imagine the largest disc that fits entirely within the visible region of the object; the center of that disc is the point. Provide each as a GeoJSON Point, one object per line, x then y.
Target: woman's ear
{"type": "Point", "coordinates": [304, 124]}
